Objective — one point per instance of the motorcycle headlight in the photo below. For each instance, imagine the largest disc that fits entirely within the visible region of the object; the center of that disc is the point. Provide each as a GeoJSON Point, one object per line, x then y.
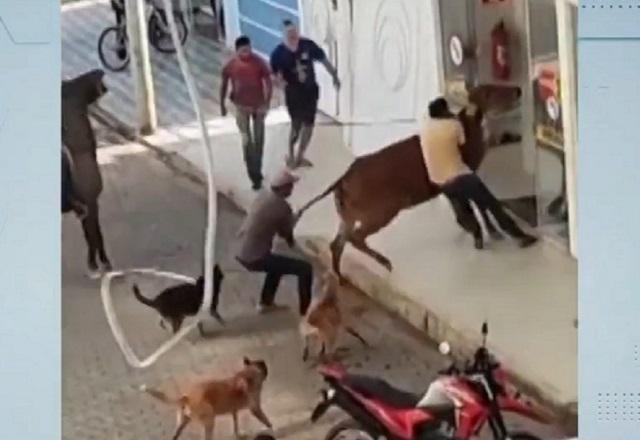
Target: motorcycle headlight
{"type": "Point", "coordinates": [330, 393]}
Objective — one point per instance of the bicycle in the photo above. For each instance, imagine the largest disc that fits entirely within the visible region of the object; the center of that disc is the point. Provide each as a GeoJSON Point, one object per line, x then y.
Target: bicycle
{"type": "Point", "coordinates": [114, 40]}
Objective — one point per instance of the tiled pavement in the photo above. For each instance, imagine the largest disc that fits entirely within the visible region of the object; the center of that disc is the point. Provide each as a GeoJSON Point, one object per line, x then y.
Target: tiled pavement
{"type": "Point", "coordinates": [153, 219]}
{"type": "Point", "coordinates": [82, 24]}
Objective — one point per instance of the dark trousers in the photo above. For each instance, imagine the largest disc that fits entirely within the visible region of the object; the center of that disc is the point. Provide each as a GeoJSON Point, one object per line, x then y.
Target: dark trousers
{"type": "Point", "coordinates": [469, 188]}
{"type": "Point", "coordinates": [251, 126]}
{"type": "Point", "coordinates": [276, 266]}
{"type": "Point", "coordinates": [302, 103]}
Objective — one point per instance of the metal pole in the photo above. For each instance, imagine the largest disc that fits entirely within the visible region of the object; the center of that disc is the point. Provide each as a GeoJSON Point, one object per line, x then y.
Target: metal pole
{"type": "Point", "coordinates": [142, 77]}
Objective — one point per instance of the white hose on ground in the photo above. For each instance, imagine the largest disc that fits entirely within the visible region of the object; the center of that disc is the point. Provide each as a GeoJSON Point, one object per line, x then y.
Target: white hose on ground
{"type": "Point", "coordinates": [212, 208]}
{"type": "Point", "coordinates": [209, 246]}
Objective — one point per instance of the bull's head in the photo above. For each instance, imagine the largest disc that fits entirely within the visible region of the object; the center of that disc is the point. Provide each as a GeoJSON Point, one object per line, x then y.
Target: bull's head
{"type": "Point", "coordinates": [491, 98]}
{"type": "Point", "coordinates": [88, 87]}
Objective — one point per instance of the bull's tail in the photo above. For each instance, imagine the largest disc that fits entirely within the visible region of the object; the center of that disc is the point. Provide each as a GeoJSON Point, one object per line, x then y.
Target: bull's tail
{"type": "Point", "coordinates": [316, 199]}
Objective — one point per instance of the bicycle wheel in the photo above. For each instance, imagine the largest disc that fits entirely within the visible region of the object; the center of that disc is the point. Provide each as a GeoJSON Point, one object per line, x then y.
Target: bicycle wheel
{"type": "Point", "coordinates": [348, 430]}
{"type": "Point", "coordinates": [112, 49]}
{"type": "Point", "coordinates": [160, 35]}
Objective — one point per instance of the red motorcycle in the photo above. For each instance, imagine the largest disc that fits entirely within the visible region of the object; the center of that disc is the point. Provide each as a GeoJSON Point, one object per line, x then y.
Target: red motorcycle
{"type": "Point", "coordinates": [457, 405]}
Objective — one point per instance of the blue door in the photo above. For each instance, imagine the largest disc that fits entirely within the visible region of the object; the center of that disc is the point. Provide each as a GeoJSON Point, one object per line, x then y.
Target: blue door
{"type": "Point", "coordinates": [261, 21]}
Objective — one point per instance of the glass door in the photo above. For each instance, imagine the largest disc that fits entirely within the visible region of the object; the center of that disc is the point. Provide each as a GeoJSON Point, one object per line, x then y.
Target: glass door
{"type": "Point", "coordinates": [548, 121]}
{"type": "Point", "coordinates": [509, 166]}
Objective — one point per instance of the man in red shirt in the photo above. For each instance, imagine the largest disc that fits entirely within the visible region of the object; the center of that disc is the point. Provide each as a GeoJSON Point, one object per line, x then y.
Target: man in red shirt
{"type": "Point", "coordinates": [251, 91]}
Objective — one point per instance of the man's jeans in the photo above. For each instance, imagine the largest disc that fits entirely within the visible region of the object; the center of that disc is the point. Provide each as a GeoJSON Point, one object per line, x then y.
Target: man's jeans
{"type": "Point", "coordinates": [276, 266]}
{"type": "Point", "coordinates": [469, 188]}
{"type": "Point", "coordinates": [251, 125]}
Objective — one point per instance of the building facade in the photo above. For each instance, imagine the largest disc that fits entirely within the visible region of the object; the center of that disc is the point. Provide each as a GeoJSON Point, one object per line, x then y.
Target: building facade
{"type": "Point", "coordinates": [393, 56]}
{"type": "Point", "coordinates": [532, 44]}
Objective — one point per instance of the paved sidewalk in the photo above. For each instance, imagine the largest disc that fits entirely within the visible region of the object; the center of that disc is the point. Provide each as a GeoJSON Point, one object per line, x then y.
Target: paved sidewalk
{"type": "Point", "coordinates": [153, 218]}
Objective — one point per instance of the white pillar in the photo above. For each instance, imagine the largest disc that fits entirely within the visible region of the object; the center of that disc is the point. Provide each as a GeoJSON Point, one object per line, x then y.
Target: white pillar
{"type": "Point", "coordinates": [568, 90]}
{"type": "Point", "coordinates": [141, 66]}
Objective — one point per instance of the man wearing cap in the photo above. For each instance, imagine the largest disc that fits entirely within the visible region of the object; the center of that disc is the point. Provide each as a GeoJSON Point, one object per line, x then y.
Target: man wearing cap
{"type": "Point", "coordinates": [441, 139]}
{"type": "Point", "coordinates": [271, 215]}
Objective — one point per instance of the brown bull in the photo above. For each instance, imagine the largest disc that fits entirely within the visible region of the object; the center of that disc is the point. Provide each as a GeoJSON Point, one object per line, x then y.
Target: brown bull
{"type": "Point", "coordinates": [376, 187]}
{"type": "Point", "coordinates": [79, 140]}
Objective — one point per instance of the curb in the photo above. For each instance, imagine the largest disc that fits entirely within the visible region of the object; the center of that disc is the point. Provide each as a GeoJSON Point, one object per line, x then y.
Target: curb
{"type": "Point", "coordinates": [424, 322]}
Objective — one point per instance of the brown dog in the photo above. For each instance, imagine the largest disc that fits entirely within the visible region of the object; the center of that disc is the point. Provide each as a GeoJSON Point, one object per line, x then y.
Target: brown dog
{"type": "Point", "coordinates": [324, 320]}
{"type": "Point", "coordinates": [206, 400]}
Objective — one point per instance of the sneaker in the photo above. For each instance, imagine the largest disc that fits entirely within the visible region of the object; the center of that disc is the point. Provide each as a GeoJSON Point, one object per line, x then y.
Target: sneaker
{"type": "Point", "coordinates": [306, 163]}
{"type": "Point", "coordinates": [263, 309]}
{"type": "Point", "coordinates": [256, 186]}
{"type": "Point", "coordinates": [290, 162]}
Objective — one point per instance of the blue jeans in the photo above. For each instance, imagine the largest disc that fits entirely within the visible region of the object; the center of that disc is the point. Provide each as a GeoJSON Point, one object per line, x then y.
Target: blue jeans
{"type": "Point", "coordinates": [276, 266]}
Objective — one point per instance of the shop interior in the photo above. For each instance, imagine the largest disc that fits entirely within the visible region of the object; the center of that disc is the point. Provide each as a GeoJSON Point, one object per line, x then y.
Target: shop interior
{"type": "Point", "coordinates": [514, 43]}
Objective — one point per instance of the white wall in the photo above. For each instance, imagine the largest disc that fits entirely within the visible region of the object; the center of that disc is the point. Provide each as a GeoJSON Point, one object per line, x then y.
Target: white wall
{"type": "Point", "coordinates": [395, 67]}
{"type": "Point", "coordinates": [231, 22]}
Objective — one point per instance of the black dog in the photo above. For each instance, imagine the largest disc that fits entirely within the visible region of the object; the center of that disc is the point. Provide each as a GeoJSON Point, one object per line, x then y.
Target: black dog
{"type": "Point", "coordinates": [175, 303]}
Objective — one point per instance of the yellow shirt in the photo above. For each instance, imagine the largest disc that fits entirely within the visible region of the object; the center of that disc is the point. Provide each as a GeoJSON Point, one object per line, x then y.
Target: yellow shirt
{"type": "Point", "coordinates": [440, 140]}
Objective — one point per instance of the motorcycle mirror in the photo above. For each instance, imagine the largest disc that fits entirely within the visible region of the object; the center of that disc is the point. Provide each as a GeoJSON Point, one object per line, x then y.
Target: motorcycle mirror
{"type": "Point", "coordinates": [444, 348]}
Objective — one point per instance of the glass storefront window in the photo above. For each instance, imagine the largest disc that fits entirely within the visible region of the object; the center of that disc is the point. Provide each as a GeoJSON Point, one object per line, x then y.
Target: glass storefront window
{"type": "Point", "coordinates": [509, 166]}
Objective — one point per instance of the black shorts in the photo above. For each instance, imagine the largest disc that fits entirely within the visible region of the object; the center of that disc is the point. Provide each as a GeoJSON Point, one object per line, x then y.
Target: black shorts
{"type": "Point", "coordinates": [302, 103]}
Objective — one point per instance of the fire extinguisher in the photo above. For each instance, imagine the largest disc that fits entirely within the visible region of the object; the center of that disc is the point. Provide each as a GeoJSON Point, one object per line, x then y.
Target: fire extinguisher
{"type": "Point", "coordinates": [500, 56]}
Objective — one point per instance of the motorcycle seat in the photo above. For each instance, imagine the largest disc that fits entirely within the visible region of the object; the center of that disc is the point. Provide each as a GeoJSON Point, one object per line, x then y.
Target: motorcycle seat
{"type": "Point", "coordinates": [375, 388]}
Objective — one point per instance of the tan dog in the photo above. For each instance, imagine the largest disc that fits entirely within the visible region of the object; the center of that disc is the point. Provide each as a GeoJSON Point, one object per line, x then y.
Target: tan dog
{"type": "Point", "coordinates": [206, 400]}
{"type": "Point", "coordinates": [324, 320]}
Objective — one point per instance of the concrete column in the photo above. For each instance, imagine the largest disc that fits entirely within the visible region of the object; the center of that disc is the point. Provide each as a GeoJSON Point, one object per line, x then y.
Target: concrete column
{"type": "Point", "coordinates": [568, 90]}
{"type": "Point", "coordinates": [147, 120]}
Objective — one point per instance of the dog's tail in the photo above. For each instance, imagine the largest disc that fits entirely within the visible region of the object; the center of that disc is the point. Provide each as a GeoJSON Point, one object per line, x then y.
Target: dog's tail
{"type": "Point", "coordinates": [142, 299]}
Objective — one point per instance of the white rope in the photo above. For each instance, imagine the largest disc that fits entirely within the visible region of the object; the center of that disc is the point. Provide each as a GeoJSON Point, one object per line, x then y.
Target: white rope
{"type": "Point", "coordinates": [209, 247]}
{"type": "Point", "coordinates": [212, 208]}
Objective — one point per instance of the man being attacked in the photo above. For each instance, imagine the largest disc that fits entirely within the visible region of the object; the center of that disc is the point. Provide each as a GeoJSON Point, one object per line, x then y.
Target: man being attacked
{"type": "Point", "coordinates": [441, 138]}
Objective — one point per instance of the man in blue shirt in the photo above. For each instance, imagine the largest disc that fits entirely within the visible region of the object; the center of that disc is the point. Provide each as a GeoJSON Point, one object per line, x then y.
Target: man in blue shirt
{"type": "Point", "coordinates": [292, 64]}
